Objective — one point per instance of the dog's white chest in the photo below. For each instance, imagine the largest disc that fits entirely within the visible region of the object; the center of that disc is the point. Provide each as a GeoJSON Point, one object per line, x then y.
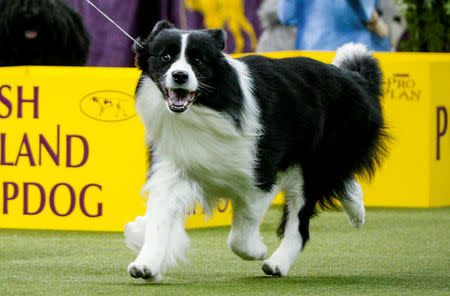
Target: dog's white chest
{"type": "Point", "coordinates": [211, 152]}
{"type": "Point", "coordinates": [202, 143]}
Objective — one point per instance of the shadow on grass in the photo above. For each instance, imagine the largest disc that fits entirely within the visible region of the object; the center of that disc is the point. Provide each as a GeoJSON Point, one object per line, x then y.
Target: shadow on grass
{"type": "Point", "coordinates": [146, 284]}
{"type": "Point", "coordinates": [308, 282]}
{"type": "Point", "coordinates": [401, 280]}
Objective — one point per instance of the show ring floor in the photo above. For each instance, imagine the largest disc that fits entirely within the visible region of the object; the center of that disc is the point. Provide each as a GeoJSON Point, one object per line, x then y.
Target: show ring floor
{"type": "Point", "coordinates": [397, 252]}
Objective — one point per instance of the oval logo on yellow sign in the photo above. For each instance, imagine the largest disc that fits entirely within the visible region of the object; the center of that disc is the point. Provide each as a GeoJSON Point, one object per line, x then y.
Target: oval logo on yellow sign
{"type": "Point", "coordinates": [108, 105]}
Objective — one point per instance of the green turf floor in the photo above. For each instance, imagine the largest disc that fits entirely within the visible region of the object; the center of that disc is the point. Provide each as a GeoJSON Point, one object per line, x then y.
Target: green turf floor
{"type": "Point", "coordinates": [397, 252]}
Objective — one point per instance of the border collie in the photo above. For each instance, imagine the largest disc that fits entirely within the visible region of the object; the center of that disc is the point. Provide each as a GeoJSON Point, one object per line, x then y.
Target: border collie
{"type": "Point", "coordinates": [244, 129]}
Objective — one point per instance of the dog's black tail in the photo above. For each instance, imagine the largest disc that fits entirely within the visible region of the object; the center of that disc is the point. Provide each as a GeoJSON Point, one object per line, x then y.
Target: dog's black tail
{"type": "Point", "coordinates": [357, 58]}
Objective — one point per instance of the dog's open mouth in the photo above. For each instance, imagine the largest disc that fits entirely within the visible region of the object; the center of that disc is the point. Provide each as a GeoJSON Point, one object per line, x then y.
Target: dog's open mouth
{"type": "Point", "coordinates": [179, 99]}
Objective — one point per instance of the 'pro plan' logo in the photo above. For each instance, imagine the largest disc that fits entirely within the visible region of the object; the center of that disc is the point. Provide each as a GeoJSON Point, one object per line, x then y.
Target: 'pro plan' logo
{"type": "Point", "coordinates": [108, 105]}
{"type": "Point", "coordinates": [402, 87]}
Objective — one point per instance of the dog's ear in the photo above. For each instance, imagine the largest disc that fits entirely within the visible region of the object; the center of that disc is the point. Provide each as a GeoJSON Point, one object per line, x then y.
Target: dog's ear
{"type": "Point", "coordinates": [160, 26]}
{"type": "Point", "coordinates": [140, 46]}
{"type": "Point", "coordinates": [219, 35]}
{"type": "Point", "coordinates": [140, 49]}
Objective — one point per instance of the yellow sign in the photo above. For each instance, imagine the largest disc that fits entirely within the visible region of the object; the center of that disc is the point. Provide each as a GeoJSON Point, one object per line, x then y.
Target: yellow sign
{"type": "Point", "coordinates": [72, 153]}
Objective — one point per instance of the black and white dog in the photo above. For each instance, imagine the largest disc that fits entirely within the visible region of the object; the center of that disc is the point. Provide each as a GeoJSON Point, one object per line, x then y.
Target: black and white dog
{"type": "Point", "coordinates": [245, 129]}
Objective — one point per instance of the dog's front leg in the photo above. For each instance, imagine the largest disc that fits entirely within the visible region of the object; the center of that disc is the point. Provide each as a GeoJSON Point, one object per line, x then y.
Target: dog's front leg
{"type": "Point", "coordinates": [149, 261]}
{"type": "Point", "coordinates": [170, 198]}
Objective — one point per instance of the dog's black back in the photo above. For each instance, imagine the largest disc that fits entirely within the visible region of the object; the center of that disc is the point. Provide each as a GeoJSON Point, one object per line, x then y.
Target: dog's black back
{"type": "Point", "coordinates": [327, 120]}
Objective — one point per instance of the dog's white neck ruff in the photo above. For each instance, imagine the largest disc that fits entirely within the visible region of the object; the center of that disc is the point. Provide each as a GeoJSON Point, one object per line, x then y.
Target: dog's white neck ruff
{"type": "Point", "coordinates": [202, 145]}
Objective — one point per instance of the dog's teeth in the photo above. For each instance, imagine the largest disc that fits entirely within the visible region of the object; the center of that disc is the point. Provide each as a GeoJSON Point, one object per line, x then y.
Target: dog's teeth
{"type": "Point", "coordinates": [170, 102]}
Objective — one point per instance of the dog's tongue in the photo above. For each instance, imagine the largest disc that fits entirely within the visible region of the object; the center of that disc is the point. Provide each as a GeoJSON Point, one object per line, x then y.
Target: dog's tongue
{"type": "Point", "coordinates": [179, 97]}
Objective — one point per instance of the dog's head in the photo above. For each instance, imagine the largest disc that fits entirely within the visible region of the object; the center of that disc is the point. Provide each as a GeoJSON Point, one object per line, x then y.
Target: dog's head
{"type": "Point", "coordinates": [183, 64]}
{"type": "Point", "coordinates": [41, 32]}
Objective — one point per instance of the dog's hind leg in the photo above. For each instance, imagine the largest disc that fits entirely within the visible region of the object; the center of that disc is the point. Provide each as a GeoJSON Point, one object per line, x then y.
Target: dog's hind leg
{"type": "Point", "coordinates": [244, 238]}
{"type": "Point", "coordinates": [353, 204]}
{"type": "Point", "coordinates": [298, 211]}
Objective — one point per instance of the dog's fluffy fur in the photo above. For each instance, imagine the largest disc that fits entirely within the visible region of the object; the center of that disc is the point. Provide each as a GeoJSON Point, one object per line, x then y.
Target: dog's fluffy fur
{"type": "Point", "coordinates": [41, 32]}
{"type": "Point", "coordinates": [244, 129]}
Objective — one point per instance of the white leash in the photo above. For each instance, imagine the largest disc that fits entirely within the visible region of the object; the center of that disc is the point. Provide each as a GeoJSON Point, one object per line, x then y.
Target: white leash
{"type": "Point", "coordinates": [109, 19]}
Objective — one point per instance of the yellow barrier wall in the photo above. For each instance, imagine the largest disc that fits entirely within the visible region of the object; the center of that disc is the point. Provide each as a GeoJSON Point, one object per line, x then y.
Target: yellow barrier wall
{"type": "Point", "coordinates": [72, 152]}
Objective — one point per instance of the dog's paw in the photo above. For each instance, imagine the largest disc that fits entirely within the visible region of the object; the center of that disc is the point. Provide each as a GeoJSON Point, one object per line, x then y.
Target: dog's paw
{"type": "Point", "coordinates": [144, 271]}
{"type": "Point", "coordinates": [274, 269]}
{"type": "Point", "coordinates": [357, 221]}
{"type": "Point", "coordinates": [248, 249]}
{"type": "Point", "coordinates": [354, 206]}
{"type": "Point", "coordinates": [355, 213]}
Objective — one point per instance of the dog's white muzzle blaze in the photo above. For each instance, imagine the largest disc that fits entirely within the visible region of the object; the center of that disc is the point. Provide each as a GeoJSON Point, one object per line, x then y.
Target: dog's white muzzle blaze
{"type": "Point", "coordinates": [180, 83]}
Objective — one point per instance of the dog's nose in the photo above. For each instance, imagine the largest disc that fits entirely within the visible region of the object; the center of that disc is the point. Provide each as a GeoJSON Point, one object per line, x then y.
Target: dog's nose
{"type": "Point", "coordinates": [180, 76]}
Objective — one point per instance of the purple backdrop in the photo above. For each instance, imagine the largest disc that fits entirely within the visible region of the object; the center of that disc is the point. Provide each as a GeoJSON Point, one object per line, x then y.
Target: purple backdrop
{"type": "Point", "coordinates": [110, 47]}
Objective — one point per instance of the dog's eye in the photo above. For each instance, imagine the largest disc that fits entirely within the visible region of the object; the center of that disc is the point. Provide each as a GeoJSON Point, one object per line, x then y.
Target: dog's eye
{"type": "Point", "coordinates": [197, 61]}
{"type": "Point", "coordinates": [166, 57]}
